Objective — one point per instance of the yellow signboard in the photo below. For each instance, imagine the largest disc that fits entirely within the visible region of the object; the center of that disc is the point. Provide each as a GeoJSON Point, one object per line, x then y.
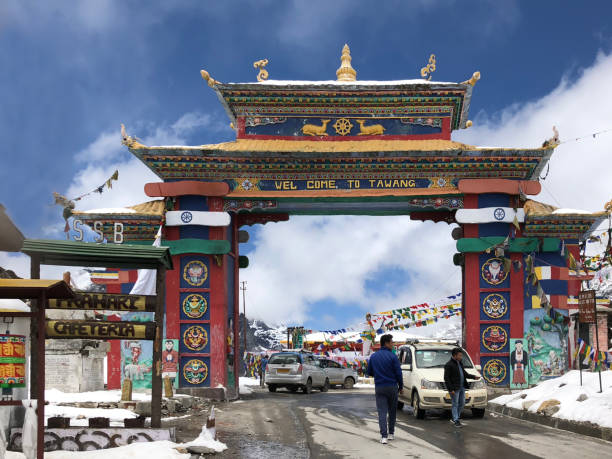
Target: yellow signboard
{"type": "Point", "coordinates": [106, 301]}
{"type": "Point", "coordinates": [81, 329]}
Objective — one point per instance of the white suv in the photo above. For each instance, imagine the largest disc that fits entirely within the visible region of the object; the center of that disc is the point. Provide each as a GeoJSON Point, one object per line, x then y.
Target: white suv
{"type": "Point", "coordinates": [423, 372]}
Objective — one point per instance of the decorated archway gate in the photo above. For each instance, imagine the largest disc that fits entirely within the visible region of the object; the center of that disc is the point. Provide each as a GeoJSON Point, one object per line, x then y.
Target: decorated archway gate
{"type": "Point", "coordinates": [350, 147]}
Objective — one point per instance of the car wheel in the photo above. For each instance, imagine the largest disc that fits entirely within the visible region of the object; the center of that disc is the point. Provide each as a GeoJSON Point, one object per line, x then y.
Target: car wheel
{"type": "Point", "coordinates": [307, 388]}
{"type": "Point", "coordinates": [271, 388]}
{"type": "Point", "coordinates": [478, 412]}
{"type": "Point", "coordinates": [416, 407]}
{"type": "Point", "coordinates": [325, 387]}
{"type": "Point", "coordinates": [348, 383]}
{"type": "Point", "coordinates": [400, 406]}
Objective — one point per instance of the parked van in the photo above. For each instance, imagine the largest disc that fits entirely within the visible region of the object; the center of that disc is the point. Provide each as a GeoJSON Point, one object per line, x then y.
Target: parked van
{"type": "Point", "coordinates": [422, 365]}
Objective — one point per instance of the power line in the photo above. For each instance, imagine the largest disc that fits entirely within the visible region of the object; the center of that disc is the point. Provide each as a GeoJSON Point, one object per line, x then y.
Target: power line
{"type": "Point", "coordinates": [593, 135]}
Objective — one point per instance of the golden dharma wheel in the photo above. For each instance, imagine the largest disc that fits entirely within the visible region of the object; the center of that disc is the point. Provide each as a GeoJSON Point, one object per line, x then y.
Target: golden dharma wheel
{"type": "Point", "coordinates": [343, 126]}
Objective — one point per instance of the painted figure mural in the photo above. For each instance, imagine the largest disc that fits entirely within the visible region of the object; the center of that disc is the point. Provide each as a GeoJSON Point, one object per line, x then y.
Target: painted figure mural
{"type": "Point", "coordinates": [519, 365]}
{"type": "Point", "coordinates": [137, 363]}
{"type": "Point", "coordinates": [170, 361]}
{"type": "Point", "coordinates": [546, 340]}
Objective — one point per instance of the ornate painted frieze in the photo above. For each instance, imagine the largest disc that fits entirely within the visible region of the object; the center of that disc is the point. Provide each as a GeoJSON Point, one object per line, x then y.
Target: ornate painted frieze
{"type": "Point", "coordinates": [342, 126]}
{"type": "Point", "coordinates": [236, 205]}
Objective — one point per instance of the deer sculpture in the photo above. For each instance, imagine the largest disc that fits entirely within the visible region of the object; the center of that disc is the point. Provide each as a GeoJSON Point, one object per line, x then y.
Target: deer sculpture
{"type": "Point", "coordinates": [313, 129]}
{"type": "Point", "coordinates": [375, 129]}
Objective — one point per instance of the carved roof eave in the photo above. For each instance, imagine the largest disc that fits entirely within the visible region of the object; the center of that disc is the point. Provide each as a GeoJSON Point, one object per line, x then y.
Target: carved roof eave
{"type": "Point", "coordinates": [336, 149]}
{"type": "Point", "coordinates": [333, 86]}
{"type": "Point", "coordinates": [454, 150]}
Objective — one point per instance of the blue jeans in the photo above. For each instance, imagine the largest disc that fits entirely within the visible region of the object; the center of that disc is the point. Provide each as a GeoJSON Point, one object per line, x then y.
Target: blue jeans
{"type": "Point", "coordinates": [458, 403]}
{"type": "Point", "coordinates": [386, 403]}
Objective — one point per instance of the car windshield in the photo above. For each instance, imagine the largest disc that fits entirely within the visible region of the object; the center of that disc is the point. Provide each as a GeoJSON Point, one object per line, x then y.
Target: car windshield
{"type": "Point", "coordinates": [284, 359]}
{"type": "Point", "coordinates": [437, 358]}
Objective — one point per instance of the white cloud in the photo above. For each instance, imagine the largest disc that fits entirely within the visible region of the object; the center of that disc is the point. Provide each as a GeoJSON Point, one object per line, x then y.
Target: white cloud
{"type": "Point", "coordinates": [105, 154]}
{"type": "Point", "coordinates": [579, 174]}
{"type": "Point", "coordinates": [19, 263]}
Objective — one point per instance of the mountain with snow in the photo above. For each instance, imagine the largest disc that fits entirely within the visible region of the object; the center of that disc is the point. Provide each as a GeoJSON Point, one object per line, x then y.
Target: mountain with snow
{"type": "Point", "coordinates": [602, 282]}
{"type": "Point", "coordinates": [261, 336]}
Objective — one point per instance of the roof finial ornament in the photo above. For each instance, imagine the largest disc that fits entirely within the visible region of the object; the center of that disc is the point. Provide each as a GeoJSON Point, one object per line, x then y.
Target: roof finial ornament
{"type": "Point", "coordinates": [263, 73]}
{"type": "Point", "coordinates": [472, 81]}
{"type": "Point", "coordinates": [553, 141]}
{"type": "Point", "coordinates": [429, 68]}
{"type": "Point", "coordinates": [346, 72]}
{"type": "Point", "coordinates": [210, 80]}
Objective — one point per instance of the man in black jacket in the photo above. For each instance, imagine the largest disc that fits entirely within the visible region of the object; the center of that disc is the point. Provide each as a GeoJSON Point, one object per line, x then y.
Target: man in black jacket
{"type": "Point", "coordinates": [455, 378]}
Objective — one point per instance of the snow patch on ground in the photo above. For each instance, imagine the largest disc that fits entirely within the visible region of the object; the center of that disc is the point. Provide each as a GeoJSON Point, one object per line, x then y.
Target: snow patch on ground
{"type": "Point", "coordinates": [152, 450]}
{"type": "Point", "coordinates": [102, 396]}
{"type": "Point", "coordinates": [206, 439]}
{"type": "Point", "coordinates": [566, 389]}
{"type": "Point", "coordinates": [246, 384]}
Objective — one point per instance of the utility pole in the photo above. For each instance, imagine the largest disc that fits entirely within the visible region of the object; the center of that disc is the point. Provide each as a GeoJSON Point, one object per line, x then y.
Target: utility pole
{"type": "Point", "coordinates": [243, 288]}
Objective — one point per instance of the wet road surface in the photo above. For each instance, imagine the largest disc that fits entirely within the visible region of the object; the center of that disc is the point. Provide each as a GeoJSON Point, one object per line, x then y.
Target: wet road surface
{"type": "Point", "coordinates": [341, 423]}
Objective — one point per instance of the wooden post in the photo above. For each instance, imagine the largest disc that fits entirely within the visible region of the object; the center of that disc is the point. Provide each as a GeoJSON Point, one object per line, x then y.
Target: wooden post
{"type": "Point", "coordinates": [156, 380]}
{"type": "Point", "coordinates": [168, 388]}
{"type": "Point", "coordinates": [34, 375]}
{"type": "Point", "coordinates": [40, 350]}
{"type": "Point", "coordinates": [126, 390]}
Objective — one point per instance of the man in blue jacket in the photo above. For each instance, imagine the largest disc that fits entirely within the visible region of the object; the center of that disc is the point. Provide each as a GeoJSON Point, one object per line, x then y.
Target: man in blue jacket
{"type": "Point", "coordinates": [385, 367]}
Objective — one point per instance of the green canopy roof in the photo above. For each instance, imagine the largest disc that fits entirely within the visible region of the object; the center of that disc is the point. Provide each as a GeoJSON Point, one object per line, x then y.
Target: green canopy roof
{"type": "Point", "coordinates": [71, 253]}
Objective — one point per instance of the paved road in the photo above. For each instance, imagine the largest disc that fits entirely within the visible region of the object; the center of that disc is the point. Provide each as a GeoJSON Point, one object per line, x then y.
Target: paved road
{"type": "Point", "coordinates": [342, 424]}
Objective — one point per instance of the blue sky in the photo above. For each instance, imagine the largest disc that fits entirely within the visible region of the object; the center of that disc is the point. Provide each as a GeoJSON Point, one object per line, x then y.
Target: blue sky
{"type": "Point", "coordinates": [71, 72]}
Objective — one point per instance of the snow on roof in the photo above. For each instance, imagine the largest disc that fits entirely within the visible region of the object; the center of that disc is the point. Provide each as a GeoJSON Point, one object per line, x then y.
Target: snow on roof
{"type": "Point", "coordinates": [346, 83]}
{"type": "Point", "coordinates": [319, 337]}
{"type": "Point", "coordinates": [12, 305]}
{"type": "Point", "coordinates": [110, 210]}
{"type": "Point", "coordinates": [571, 212]}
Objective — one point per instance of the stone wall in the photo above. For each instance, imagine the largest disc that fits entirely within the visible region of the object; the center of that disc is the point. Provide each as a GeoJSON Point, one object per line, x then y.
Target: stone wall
{"type": "Point", "coordinates": [602, 323]}
{"type": "Point", "coordinates": [75, 365]}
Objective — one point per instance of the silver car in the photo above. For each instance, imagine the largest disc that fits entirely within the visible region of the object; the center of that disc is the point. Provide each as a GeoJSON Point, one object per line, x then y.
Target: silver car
{"type": "Point", "coordinates": [295, 370]}
{"type": "Point", "coordinates": [338, 375]}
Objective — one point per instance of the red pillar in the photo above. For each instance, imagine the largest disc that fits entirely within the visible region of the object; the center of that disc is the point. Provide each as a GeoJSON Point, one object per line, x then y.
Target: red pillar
{"type": "Point", "coordinates": [517, 297]}
{"type": "Point", "coordinates": [471, 294]}
{"type": "Point", "coordinates": [219, 306]}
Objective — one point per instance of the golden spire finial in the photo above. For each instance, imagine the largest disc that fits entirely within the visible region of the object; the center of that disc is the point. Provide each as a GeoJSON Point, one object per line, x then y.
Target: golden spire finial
{"type": "Point", "coordinates": [346, 72]}
{"type": "Point", "coordinates": [263, 73]}
{"type": "Point", "coordinates": [429, 68]}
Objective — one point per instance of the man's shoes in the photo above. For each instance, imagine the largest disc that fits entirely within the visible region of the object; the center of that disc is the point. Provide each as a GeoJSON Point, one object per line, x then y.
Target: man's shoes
{"type": "Point", "coordinates": [458, 424]}
{"type": "Point", "coordinates": [391, 437]}
{"type": "Point", "coordinates": [383, 440]}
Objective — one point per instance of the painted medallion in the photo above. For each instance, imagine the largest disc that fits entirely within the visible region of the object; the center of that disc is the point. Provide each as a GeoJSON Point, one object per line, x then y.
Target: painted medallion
{"type": "Point", "coordinates": [195, 306]}
{"type": "Point", "coordinates": [494, 371]}
{"type": "Point", "coordinates": [195, 338]}
{"type": "Point", "coordinates": [493, 271]}
{"type": "Point", "coordinates": [186, 217]}
{"type": "Point", "coordinates": [494, 338]}
{"type": "Point", "coordinates": [195, 273]}
{"type": "Point", "coordinates": [195, 371]}
{"type": "Point", "coordinates": [499, 214]}
{"type": "Point", "coordinates": [495, 306]}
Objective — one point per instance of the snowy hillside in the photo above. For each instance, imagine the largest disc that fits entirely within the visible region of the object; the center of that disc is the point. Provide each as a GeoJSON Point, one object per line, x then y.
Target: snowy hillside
{"type": "Point", "coordinates": [602, 282]}
{"type": "Point", "coordinates": [261, 336]}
